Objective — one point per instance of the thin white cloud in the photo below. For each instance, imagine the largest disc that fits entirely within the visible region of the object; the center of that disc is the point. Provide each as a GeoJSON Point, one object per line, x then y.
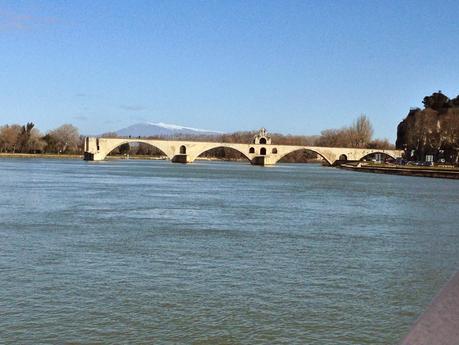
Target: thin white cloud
{"type": "Point", "coordinates": [81, 118]}
{"type": "Point", "coordinates": [133, 107]}
{"type": "Point", "coordinates": [10, 21]}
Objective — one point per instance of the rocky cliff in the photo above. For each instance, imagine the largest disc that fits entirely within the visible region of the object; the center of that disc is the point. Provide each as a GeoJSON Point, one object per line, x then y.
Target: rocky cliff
{"type": "Point", "coordinates": [433, 130]}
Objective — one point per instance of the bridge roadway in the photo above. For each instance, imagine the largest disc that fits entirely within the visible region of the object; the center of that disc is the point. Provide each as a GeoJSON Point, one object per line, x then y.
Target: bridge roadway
{"type": "Point", "coordinates": [179, 151]}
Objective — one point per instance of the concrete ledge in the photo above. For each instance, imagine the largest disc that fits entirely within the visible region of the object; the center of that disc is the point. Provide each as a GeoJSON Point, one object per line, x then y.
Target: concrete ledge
{"type": "Point", "coordinates": [439, 324]}
{"type": "Point", "coordinates": [406, 171]}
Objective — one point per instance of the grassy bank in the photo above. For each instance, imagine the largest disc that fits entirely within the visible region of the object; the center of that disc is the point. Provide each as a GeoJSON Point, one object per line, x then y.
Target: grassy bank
{"type": "Point", "coordinates": [113, 157]}
{"type": "Point", "coordinates": [70, 156]}
{"type": "Point", "coordinates": [41, 155]}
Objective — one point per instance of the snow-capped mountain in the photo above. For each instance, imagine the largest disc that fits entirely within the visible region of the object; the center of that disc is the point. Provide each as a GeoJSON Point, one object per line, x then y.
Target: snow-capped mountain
{"type": "Point", "coordinates": [146, 129]}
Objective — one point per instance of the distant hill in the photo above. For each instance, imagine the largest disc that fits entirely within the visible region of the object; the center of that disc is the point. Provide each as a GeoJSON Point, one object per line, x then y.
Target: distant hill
{"type": "Point", "coordinates": [147, 129]}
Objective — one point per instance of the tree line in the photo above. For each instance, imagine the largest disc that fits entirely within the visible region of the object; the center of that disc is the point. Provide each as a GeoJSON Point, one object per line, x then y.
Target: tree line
{"type": "Point", "coordinates": [66, 139]}
{"type": "Point", "coordinates": [27, 138]}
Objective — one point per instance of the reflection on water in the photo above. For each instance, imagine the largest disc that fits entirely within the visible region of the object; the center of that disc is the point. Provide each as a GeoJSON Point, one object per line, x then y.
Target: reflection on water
{"type": "Point", "coordinates": [218, 253]}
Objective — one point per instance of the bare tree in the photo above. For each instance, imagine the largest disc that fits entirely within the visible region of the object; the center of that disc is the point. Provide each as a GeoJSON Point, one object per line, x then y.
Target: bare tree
{"type": "Point", "coordinates": [383, 144]}
{"type": "Point", "coordinates": [9, 136]}
{"type": "Point", "coordinates": [331, 138]}
{"type": "Point", "coordinates": [66, 138]}
{"type": "Point", "coordinates": [361, 132]}
{"type": "Point", "coordinates": [36, 142]}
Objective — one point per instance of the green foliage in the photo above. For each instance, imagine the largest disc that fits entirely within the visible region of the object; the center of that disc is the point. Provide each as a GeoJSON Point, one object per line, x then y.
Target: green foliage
{"type": "Point", "coordinates": [24, 137]}
{"type": "Point", "coordinates": [436, 101]}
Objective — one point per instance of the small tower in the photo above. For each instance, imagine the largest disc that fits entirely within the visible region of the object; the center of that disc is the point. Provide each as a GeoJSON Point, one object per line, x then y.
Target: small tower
{"type": "Point", "coordinates": [262, 138]}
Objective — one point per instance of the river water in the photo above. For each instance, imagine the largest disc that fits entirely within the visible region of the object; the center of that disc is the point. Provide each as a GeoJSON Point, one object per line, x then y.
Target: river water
{"type": "Point", "coordinates": [150, 252]}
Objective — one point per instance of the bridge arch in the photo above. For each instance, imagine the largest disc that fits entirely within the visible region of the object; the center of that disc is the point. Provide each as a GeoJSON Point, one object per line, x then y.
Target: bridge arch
{"type": "Point", "coordinates": [387, 154]}
{"type": "Point", "coordinates": [285, 153]}
{"type": "Point", "coordinates": [218, 146]}
{"type": "Point", "coordinates": [117, 144]}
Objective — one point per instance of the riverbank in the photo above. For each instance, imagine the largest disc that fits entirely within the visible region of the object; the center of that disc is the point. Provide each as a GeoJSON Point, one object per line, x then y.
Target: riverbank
{"type": "Point", "coordinates": [436, 172]}
{"type": "Point", "coordinates": [71, 156]}
{"type": "Point", "coordinates": [40, 155]}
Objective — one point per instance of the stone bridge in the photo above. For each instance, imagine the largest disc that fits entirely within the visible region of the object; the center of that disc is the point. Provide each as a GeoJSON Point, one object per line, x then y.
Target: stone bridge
{"type": "Point", "coordinates": [260, 152]}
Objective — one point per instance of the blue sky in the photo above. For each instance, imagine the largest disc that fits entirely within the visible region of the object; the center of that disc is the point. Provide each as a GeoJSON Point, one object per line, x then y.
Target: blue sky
{"type": "Point", "coordinates": [291, 66]}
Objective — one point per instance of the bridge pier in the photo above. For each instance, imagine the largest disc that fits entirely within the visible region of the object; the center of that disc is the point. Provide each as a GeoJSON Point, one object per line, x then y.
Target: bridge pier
{"type": "Point", "coordinates": [181, 158]}
{"type": "Point", "coordinates": [263, 160]}
{"type": "Point", "coordinates": [88, 156]}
